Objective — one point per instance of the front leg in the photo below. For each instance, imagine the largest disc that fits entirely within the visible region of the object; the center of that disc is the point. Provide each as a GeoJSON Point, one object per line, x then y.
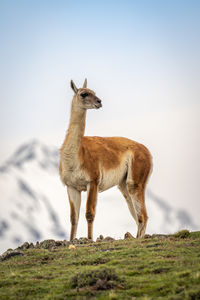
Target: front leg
{"type": "Point", "coordinates": [91, 207]}
{"type": "Point", "coordinates": [75, 202]}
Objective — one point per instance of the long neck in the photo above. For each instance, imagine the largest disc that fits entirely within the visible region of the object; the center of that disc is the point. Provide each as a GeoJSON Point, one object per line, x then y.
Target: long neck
{"type": "Point", "coordinates": [76, 128]}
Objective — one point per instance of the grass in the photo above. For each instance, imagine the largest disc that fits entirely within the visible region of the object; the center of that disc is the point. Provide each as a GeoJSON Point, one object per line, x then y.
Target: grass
{"type": "Point", "coordinates": [153, 268]}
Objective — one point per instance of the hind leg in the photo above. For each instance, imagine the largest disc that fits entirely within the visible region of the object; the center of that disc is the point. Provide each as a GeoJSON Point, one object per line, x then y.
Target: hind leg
{"type": "Point", "coordinates": [135, 200]}
{"type": "Point", "coordinates": [139, 168]}
{"type": "Point", "coordinates": [123, 188]}
{"type": "Point", "coordinates": [136, 193]}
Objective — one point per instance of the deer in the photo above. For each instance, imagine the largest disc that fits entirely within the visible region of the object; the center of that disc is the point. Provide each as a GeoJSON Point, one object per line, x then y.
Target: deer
{"type": "Point", "coordinates": [95, 164]}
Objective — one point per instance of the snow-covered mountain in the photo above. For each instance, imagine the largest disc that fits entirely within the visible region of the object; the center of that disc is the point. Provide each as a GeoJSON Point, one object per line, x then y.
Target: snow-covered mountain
{"type": "Point", "coordinates": [34, 205]}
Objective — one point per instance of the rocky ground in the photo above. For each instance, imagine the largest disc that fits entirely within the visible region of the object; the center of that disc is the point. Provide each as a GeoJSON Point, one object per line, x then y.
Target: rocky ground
{"type": "Point", "coordinates": [155, 267]}
{"type": "Point", "coordinates": [52, 244]}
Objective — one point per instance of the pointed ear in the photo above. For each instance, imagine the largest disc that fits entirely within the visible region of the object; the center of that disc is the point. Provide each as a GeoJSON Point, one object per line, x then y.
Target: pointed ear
{"type": "Point", "coordinates": [85, 83]}
{"type": "Point", "coordinates": [73, 86]}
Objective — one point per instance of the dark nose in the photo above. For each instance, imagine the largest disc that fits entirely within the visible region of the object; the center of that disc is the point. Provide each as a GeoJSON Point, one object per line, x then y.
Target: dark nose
{"type": "Point", "coordinates": [98, 101]}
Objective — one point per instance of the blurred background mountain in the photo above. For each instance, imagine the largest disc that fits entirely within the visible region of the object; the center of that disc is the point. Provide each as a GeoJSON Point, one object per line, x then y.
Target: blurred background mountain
{"type": "Point", "coordinates": [34, 204]}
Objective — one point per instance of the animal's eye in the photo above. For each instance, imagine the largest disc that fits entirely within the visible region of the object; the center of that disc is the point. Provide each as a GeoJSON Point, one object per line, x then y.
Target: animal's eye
{"type": "Point", "coordinates": [84, 95]}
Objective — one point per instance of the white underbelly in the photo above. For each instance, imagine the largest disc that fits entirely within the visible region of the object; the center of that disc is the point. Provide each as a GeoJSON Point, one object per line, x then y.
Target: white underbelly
{"type": "Point", "coordinates": [111, 178]}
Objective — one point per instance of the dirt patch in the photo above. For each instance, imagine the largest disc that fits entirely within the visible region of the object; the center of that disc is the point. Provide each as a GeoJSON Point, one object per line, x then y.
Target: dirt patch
{"type": "Point", "coordinates": [160, 270]}
{"type": "Point", "coordinates": [99, 279]}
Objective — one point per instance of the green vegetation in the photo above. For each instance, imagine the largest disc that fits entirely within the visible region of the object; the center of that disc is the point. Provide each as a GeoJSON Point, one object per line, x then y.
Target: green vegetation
{"type": "Point", "coordinates": [157, 267]}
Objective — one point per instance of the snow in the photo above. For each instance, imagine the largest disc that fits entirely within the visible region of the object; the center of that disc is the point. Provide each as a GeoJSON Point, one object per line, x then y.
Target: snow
{"type": "Point", "coordinates": [34, 204]}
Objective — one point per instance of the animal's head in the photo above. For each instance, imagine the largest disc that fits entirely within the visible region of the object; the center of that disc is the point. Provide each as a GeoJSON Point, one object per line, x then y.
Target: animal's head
{"type": "Point", "coordinates": [84, 97]}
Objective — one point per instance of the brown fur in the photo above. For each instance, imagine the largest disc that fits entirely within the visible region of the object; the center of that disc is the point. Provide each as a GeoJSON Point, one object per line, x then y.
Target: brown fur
{"type": "Point", "coordinates": [72, 217]}
{"type": "Point", "coordinates": [109, 151]}
{"type": "Point", "coordinates": [98, 163]}
{"type": "Point", "coordinates": [91, 207]}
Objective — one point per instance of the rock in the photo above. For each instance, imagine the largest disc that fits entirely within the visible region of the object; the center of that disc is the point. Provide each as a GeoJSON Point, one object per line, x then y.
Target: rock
{"type": "Point", "coordinates": [47, 244]}
{"type": "Point", "coordinates": [162, 236]}
{"type": "Point", "coordinates": [147, 236]}
{"type": "Point", "coordinates": [128, 235]}
{"type": "Point", "coordinates": [75, 241]}
{"type": "Point", "coordinates": [25, 246]}
{"type": "Point", "coordinates": [84, 240]}
{"type": "Point", "coordinates": [9, 253]}
{"type": "Point", "coordinates": [100, 238]}
{"type": "Point", "coordinates": [66, 243]}
{"type": "Point", "coordinates": [108, 239]}
{"type": "Point", "coordinates": [31, 245]}
{"type": "Point", "coordinates": [59, 243]}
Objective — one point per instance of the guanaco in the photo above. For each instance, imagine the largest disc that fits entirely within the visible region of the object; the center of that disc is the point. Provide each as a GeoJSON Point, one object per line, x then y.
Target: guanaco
{"type": "Point", "coordinates": [95, 164]}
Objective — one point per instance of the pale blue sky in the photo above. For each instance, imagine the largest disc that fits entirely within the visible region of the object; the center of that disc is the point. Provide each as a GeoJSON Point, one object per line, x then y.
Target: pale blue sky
{"type": "Point", "coordinates": [146, 50]}
{"type": "Point", "coordinates": [141, 57]}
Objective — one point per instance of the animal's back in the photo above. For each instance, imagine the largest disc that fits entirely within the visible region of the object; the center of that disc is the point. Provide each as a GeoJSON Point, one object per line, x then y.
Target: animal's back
{"type": "Point", "coordinates": [110, 149]}
{"type": "Point", "coordinates": [110, 157]}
